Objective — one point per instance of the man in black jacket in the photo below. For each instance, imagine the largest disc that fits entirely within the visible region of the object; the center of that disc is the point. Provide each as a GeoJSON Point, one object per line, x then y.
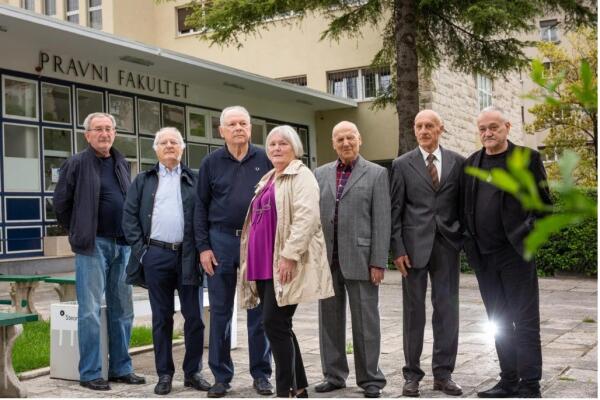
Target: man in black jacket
{"type": "Point", "coordinates": [88, 201]}
{"type": "Point", "coordinates": [158, 224]}
{"type": "Point", "coordinates": [495, 226]}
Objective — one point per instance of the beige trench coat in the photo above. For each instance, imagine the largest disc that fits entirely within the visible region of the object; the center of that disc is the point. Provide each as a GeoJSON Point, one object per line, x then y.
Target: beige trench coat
{"type": "Point", "coordinates": [298, 237]}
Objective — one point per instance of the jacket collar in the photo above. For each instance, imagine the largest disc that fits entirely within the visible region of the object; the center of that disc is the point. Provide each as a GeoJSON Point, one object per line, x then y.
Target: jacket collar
{"type": "Point", "coordinates": [113, 152]}
{"type": "Point", "coordinates": [186, 173]}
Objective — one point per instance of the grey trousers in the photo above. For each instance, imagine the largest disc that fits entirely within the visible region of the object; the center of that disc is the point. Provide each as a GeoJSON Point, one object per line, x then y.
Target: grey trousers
{"type": "Point", "coordinates": [366, 334]}
{"type": "Point", "coordinates": [443, 270]}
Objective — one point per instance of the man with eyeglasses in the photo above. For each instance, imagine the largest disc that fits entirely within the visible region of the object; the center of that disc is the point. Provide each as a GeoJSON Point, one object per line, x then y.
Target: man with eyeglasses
{"type": "Point", "coordinates": [495, 226]}
{"type": "Point", "coordinates": [88, 201]}
{"type": "Point", "coordinates": [226, 182]}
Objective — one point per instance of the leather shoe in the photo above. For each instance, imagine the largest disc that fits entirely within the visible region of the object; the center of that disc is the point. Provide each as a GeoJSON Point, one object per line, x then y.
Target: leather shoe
{"type": "Point", "coordinates": [326, 386]}
{"type": "Point", "coordinates": [164, 385]}
{"type": "Point", "coordinates": [130, 379]}
{"type": "Point", "coordinates": [96, 384]}
{"type": "Point", "coordinates": [263, 387]}
{"type": "Point", "coordinates": [372, 391]}
{"type": "Point", "coordinates": [219, 389]}
{"type": "Point", "coordinates": [500, 390]}
{"type": "Point", "coordinates": [448, 386]}
{"type": "Point", "coordinates": [196, 381]}
{"type": "Point", "coordinates": [411, 389]}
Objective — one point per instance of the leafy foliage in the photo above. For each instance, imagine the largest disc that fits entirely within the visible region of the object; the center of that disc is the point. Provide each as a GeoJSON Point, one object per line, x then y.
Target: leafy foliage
{"type": "Point", "coordinates": [567, 88]}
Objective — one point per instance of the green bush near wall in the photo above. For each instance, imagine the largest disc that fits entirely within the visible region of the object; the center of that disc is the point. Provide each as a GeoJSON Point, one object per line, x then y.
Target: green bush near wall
{"type": "Point", "coordinates": [572, 250]}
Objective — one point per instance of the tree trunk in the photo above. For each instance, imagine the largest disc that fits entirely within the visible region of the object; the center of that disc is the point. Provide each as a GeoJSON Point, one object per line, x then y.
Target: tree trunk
{"type": "Point", "coordinates": [407, 72]}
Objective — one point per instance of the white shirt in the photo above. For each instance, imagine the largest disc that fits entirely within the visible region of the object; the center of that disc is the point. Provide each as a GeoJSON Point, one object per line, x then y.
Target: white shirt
{"type": "Point", "coordinates": [167, 216]}
{"type": "Point", "coordinates": [437, 162]}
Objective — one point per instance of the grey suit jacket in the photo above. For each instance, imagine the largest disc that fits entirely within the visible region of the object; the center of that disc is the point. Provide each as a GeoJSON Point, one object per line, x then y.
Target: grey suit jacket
{"type": "Point", "coordinates": [419, 211]}
{"type": "Point", "coordinates": [363, 217]}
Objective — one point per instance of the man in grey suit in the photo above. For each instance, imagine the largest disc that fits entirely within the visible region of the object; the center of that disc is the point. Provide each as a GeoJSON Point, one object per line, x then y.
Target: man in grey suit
{"type": "Point", "coordinates": [355, 214]}
{"type": "Point", "coordinates": [426, 240]}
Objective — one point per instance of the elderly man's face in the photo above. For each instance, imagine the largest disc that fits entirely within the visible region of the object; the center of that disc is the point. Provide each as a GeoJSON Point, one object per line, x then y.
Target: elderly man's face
{"type": "Point", "coordinates": [428, 129]}
{"type": "Point", "coordinates": [101, 135]}
{"type": "Point", "coordinates": [168, 149]}
{"type": "Point", "coordinates": [493, 132]}
{"type": "Point", "coordinates": [236, 129]}
{"type": "Point", "coordinates": [346, 143]}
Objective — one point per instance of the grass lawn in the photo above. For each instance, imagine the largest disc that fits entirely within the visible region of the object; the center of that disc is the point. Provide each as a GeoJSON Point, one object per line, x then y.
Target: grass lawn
{"type": "Point", "coordinates": [32, 347]}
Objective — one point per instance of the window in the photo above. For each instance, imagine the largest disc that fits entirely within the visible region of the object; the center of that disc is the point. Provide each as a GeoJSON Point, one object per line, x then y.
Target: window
{"type": "Point", "coordinates": [28, 4]}
{"type": "Point", "coordinates": [95, 14]}
{"type": "Point", "coordinates": [359, 84]}
{"type": "Point", "coordinates": [147, 154]}
{"type": "Point", "coordinates": [549, 30]}
{"type": "Point", "coordinates": [57, 148]}
{"type": "Point", "coordinates": [127, 145]}
{"type": "Point", "coordinates": [185, 12]}
{"type": "Point", "coordinates": [258, 132]}
{"type": "Point", "coordinates": [121, 108]}
{"type": "Point", "coordinates": [148, 117]}
{"type": "Point", "coordinates": [173, 116]}
{"type": "Point", "coordinates": [56, 103]}
{"type": "Point", "coordinates": [196, 152]}
{"type": "Point", "coordinates": [21, 158]}
{"type": "Point", "coordinates": [88, 102]}
{"type": "Point", "coordinates": [196, 123]}
{"type": "Point", "coordinates": [50, 7]}
{"type": "Point", "coordinates": [72, 13]}
{"type": "Point", "coordinates": [295, 80]}
{"type": "Point", "coordinates": [20, 98]}
{"type": "Point", "coordinates": [484, 91]}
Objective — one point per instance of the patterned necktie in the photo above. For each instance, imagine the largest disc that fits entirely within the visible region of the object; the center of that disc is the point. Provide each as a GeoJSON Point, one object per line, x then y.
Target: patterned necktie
{"type": "Point", "coordinates": [433, 171]}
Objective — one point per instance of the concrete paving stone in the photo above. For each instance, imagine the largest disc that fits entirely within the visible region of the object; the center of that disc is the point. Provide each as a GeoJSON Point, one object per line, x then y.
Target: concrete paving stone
{"type": "Point", "coordinates": [591, 355]}
{"type": "Point", "coordinates": [583, 338]}
{"type": "Point", "coordinates": [571, 389]}
{"type": "Point", "coordinates": [582, 375]}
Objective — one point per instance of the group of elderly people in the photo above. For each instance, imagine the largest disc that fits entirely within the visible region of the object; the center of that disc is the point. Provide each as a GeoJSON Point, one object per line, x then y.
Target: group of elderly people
{"type": "Point", "coordinates": [295, 237]}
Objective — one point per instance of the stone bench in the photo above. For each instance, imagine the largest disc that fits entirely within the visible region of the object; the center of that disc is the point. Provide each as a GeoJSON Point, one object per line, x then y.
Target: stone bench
{"type": "Point", "coordinates": [65, 287]}
{"type": "Point", "coordinates": [10, 328]}
{"type": "Point", "coordinates": [22, 288]}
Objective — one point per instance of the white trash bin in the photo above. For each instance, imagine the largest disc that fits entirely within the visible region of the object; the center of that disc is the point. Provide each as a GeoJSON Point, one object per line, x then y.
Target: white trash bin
{"type": "Point", "coordinates": [64, 344]}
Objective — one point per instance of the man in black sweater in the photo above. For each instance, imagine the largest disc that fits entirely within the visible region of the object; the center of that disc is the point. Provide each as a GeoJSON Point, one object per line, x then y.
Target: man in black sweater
{"type": "Point", "coordinates": [495, 226]}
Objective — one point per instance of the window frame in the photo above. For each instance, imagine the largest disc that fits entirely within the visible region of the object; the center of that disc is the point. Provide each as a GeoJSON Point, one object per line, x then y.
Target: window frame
{"type": "Point", "coordinates": [45, 7]}
{"type": "Point", "coordinates": [549, 30]}
{"type": "Point", "coordinates": [4, 157]}
{"type": "Point", "coordinates": [4, 102]}
{"type": "Point", "coordinates": [92, 9]}
{"type": "Point", "coordinates": [70, 97]}
{"type": "Point", "coordinates": [481, 84]}
{"type": "Point", "coordinates": [361, 74]}
{"type": "Point", "coordinates": [71, 13]}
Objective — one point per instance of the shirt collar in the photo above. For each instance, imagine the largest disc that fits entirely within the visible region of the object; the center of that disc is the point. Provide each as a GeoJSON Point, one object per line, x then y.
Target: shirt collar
{"type": "Point", "coordinates": [349, 167]}
{"type": "Point", "coordinates": [437, 153]}
{"type": "Point", "coordinates": [163, 171]}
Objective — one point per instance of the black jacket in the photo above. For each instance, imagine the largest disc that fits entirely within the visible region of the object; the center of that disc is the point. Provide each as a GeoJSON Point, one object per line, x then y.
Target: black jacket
{"type": "Point", "coordinates": [137, 224]}
{"type": "Point", "coordinates": [77, 196]}
{"type": "Point", "coordinates": [516, 221]}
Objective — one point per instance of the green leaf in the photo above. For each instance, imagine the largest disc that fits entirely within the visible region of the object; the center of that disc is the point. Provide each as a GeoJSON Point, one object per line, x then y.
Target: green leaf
{"type": "Point", "coordinates": [504, 181]}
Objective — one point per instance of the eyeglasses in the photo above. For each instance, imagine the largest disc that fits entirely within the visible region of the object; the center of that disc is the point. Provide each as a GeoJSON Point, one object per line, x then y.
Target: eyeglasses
{"type": "Point", "coordinates": [101, 129]}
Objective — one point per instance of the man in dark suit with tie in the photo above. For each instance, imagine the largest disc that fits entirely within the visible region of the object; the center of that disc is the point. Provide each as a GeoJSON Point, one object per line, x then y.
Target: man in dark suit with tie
{"type": "Point", "coordinates": [426, 240]}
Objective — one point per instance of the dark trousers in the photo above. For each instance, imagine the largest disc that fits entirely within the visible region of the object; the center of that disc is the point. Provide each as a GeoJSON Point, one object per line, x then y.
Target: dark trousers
{"type": "Point", "coordinates": [509, 288]}
{"type": "Point", "coordinates": [289, 368]}
{"type": "Point", "coordinates": [221, 294]}
{"type": "Point", "coordinates": [443, 270]}
{"type": "Point", "coordinates": [162, 269]}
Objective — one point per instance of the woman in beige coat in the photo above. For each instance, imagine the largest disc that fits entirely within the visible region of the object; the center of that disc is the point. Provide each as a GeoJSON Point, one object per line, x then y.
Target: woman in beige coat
{"type": "Point", "coordinates": [283, 258]}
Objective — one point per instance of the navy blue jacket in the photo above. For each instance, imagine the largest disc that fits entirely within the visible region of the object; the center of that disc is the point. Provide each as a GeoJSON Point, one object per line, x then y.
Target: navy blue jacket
{"type": "Point", "coordinates": [225, 189]}
{"type": "Point", "coordinates": [77, 196]}
{"type": "Point", "coordinates": [137, 224]}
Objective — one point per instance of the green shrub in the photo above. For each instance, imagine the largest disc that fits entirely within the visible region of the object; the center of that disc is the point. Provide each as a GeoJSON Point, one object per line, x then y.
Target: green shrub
{"type": "Point", "coordinates": [574, 249]}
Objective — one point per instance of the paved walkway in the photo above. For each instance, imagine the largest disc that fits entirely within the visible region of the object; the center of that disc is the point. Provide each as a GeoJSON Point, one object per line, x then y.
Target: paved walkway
{"type": "Point", "coordinates": [569, 342]}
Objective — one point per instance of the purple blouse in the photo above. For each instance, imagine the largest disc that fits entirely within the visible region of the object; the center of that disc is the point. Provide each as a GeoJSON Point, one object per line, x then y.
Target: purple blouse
{"type": "Point", "coordinates": [261, 238]}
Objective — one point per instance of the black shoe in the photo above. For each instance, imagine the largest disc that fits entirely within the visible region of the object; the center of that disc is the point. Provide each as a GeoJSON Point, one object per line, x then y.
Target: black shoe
{"type": "Point", "coordinates": [501, 390]}
{"type": "Point", "coordinates": [96, 384]}
{"type": "Point", "coordinates": [263, 386]}
{"type": "Point", "coordinates": [411, 388]}
{"type": "Point", "coordinates": [197, 382]}
{"type": "Point", "coordinates": [448, 386]}
{"type": "Point", "coordinates": [326, 386]}
{"type": "Point", "coordinates": [164, 385]}
{"type": "Point", "coordinates": [302, 395]}
{"type": "Point", "coordinates": [130, 379]}
{"type": "Point", "coordinates": [219, 389]}
{"type": "Point", "coordinates": [372, 392]}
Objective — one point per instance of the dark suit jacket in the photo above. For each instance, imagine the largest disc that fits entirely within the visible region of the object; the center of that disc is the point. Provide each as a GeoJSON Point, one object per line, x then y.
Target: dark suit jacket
{"type": "Point", "coordinates": [419, 211]}
{"type": "Point", "coordinates": [516, 221]}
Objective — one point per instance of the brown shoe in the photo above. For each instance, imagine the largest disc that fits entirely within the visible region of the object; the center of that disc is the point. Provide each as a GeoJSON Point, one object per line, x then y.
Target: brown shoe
{"type": "Point", "coordinates": [411, 389]}
{"type": "Point", "coordinates": [447, 386]}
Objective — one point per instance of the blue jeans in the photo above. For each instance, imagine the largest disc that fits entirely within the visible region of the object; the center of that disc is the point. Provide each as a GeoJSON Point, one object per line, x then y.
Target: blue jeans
{"type": "Point", "coordinates": [103, 274]}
